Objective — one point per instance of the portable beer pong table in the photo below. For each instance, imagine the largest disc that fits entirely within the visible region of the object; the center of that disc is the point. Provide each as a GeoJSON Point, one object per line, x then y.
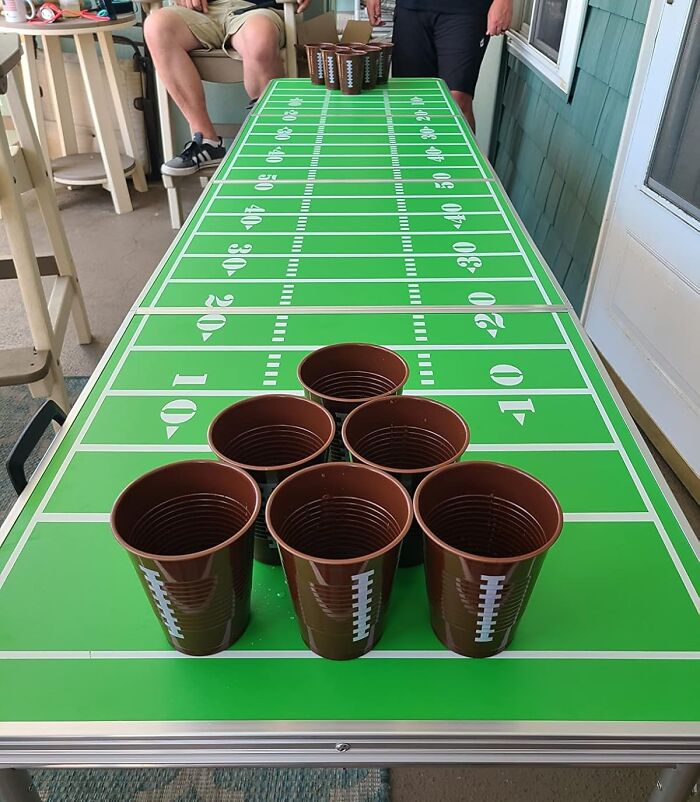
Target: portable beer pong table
{"type": "Point", "coordinates": [371, 218]}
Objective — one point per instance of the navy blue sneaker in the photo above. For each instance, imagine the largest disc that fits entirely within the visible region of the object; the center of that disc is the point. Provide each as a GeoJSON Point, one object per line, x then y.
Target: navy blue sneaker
{"type": "Point", "coordinates": [196, 154]}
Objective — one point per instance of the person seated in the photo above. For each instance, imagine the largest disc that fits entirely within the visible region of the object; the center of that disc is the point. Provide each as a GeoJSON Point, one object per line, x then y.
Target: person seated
{"type": "Point", "coordinates": [255, 32]}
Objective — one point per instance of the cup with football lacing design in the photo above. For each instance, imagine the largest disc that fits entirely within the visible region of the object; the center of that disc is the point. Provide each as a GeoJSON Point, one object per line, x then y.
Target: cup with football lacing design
{"type": "Point", "coordinates": [343, 376]}
{"type": "Point", "coordinates": [339, 528]}
{"type": "Point", "coordinates": [408, 437]}
{"type": "Point", "coordinates": [488, 528]}
{"type": "Point", "coordinates": [187, 528]}
{"type": "Point", "coordinates": [271, 437]}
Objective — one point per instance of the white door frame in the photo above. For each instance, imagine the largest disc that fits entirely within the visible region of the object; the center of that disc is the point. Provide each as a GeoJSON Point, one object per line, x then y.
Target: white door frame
{"type": "Point", "coordinates": [646, 52]}
{"type": "Point", "coordinates": [643, 84]}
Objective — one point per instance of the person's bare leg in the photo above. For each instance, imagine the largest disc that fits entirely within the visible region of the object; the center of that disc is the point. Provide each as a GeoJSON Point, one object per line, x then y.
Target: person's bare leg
{"type": "Point", "coordinates": [258, 44]}
{"type": "Point", "coordinates": [170, 41]}
{"type": "Point", "coordinates": [465, 101]}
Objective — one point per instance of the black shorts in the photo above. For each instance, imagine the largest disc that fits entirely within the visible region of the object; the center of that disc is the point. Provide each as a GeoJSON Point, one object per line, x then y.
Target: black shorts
{"type": "Point", "coordinates": [434, 45]}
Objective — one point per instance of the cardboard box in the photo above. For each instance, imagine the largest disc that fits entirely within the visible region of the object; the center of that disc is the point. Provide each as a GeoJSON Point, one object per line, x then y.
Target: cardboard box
{"type": "Point", "coordinates": [324, 29]}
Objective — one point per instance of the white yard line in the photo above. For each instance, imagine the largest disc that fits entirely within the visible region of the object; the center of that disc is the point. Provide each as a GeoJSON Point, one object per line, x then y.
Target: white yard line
{"type": "Point", "coordinates": [74, 518]}
{"type": "Point", "coordinates": [608, 517]}
{"type": "Point", "coordinates": [287, 198]}
{"type": "Point", "coordinates": [392, 346]}
{"type": "Point", "coordinates": [225, 393]}
{"type": "Point", "coordinates": [342, 181]}
{"type": "Point", "coordinates": [203, 448]}
{"type": "Point", "coordinates": [305, 309]}
{"type": "Point", "coordinates": [373, 140]}
{"type": "Point", "coordinates": [354, 255]}
{"type": "Point", "coordinates": [493, 212]}
{"type": "Point", "coordinates": [379, 167]}
{"type": "Point", "coordinates": [350, 233]}
{"type": "Point", "coordinates": [377, 151]}
{"type": "Point", "coordinates": [569, 517]}
{"type": "Point", "coordinates": [376, 654]}
{"type": "Point", "coordinates": [142, 448]}
{"type": "Point", "coordinates": [271, 122]}
{"type": "Point", "coordinates": [399, 280]}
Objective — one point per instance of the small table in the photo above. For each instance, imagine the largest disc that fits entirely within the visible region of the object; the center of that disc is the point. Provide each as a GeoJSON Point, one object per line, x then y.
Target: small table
{"type": "Point", "coordinates": [75, 168]}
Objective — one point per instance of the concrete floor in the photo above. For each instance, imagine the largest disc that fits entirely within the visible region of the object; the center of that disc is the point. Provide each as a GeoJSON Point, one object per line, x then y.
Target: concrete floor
{"type": "Point", "coordinates": [115, 255]}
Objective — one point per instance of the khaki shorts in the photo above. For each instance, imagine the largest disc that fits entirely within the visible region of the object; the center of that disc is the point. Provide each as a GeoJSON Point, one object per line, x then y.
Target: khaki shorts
{"type": "Point", "coordinates": [215, 28]}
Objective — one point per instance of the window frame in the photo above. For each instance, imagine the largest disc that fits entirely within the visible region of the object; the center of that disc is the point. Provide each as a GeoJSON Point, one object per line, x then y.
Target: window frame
{"type": "Point", "coordinates": [559, 73]}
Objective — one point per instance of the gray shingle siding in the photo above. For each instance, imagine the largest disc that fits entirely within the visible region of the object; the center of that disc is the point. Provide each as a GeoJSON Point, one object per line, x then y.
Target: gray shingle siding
{"type": "Point", "coordinates": [555, 156]}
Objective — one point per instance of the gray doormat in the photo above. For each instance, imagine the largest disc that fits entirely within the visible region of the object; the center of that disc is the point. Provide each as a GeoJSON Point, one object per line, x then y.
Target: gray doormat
{"type": "Point", "coordinates": [213, 785]}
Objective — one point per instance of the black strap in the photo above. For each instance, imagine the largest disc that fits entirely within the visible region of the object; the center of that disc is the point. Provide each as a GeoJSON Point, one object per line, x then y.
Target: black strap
{"type": "Point", "coordinates": [258, 4]}
{"type": "Point", "coordinates": [28, 441]}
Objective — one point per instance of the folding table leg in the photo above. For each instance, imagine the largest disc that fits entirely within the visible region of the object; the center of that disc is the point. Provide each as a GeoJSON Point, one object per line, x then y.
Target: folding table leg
{"type": "Point", "coordinates": [676, 783]}
{"type": "Point", "coordinates": [16, 786]}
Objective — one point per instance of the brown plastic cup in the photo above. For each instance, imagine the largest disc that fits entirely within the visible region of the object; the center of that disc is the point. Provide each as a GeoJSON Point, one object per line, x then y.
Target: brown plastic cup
{"type": "Point", "coordinates": [315, 60]}
{"type": "Point", "coordinates": [408, 437]}
{"type": "Point", "coordinates": [384, 67]}
{"type": "Point", "coordinates": [350, 70]}
{"type": "Point", "coordinates": [339, 529]}
{"type": "Point", "coordinates": [271, 437]}
{"type": "Point", "coordinates": [330, 66]}
{"type": "Point", "coordinates": [345, 375]}
{"type": "Point", "coordinates": [188, 529]}
{"type": "Point", "coordinates": [373, 56]}
{"type": "Point", "coordinates": [488, 528]}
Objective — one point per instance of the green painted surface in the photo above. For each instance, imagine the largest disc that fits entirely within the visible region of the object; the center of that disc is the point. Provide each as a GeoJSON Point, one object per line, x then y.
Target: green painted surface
{"type": "Point", "coordinates": [621, 579]}
{"type": "Point", "coordinates": [526, 690]}
{"type": "Point", "coordinates": [575, 562]}
{"type": "Point", "coordinates": [555, 155]}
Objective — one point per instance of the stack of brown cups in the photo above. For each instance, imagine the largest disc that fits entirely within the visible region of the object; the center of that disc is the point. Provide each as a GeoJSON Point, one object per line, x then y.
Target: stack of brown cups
{"type": "Point", "coordinates": [408, 437]}
{"type": "Point", "coordinates": [339, 528]}
{"type": "Point", "coordinates": [271, 437]}
{"type": "Point", "coordinates": [373, 56]}
{"type": "Point", "coordinates": [488, 528]}
{"type": "Point", "coordinates": [349, 67]}
{"type": "Point", "coordinates": [370, 64]}
{"type": "Point", "coordinates": [342, 377]}
{"type": "Point", "coordinates": [315, 60]}
{"type": "Point", "coordinates": [330, 67]}
{"type": "Point", "coordinates": [350, 70]}
{"type": "Point", "coordinates": [384, 66]}
{"type": "Point", "coordinates": [188, 530]}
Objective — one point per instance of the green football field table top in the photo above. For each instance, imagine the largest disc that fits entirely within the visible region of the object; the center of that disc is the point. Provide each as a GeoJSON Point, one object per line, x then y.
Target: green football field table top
{"type": "Point", "coordinates": [332, 219]}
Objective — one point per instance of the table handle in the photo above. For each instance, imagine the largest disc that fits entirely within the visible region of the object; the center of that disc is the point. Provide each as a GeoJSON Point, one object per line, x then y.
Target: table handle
{"type": "Point", "coordinates": [29, 439]}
